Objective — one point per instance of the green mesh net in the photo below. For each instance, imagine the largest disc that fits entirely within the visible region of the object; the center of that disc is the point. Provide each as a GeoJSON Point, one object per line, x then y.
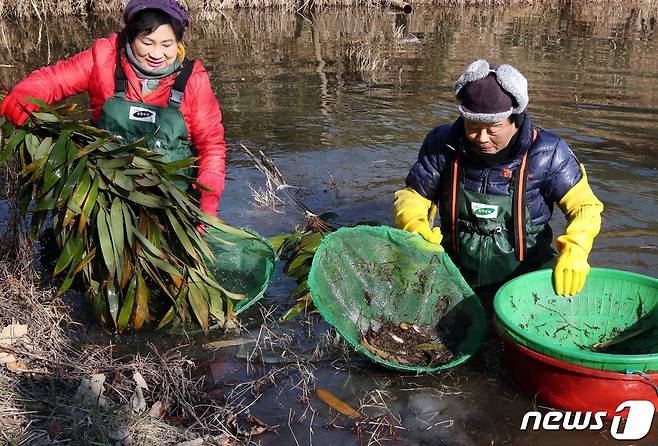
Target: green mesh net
{"type": "Point", "coordinates": [242, 265]}
{"type": "Point", "coordinates": [366, 276]}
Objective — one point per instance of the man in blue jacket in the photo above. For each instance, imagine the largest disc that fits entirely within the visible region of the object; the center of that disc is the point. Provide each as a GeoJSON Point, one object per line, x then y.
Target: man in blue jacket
{"type": "Point", "coordinates": [496, 179]}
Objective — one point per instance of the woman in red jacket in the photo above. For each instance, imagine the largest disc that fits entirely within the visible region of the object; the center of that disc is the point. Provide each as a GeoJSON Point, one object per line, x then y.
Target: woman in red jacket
{"type": "Point", "coordinates": [140, 83]}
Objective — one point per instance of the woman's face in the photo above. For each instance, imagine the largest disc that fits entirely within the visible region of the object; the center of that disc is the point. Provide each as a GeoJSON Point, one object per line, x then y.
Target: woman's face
{"type": "Point", "coordinates": [156, 50]}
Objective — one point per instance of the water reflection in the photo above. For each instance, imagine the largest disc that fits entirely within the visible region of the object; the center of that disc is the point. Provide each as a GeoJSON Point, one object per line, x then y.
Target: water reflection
{"type": "Point", "coordinates": [342, 99]}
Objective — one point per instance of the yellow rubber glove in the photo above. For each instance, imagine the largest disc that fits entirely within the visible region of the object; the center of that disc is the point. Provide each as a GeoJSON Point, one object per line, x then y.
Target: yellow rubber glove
{"type": "Point", "coordinates": [411, 213]}
{"type": "Point", "coordinates": [583, 212]}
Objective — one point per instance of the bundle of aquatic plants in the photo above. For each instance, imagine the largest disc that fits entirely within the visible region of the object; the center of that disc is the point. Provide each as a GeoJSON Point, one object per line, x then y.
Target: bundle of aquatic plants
{"type": "Point", "coordinates": [126, 229]}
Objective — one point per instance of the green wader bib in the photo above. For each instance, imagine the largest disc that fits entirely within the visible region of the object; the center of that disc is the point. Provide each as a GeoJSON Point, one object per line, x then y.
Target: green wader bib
{"type": "Point", "coordinates": [132, 120]}
{"type": "Point", "coordinates": [494, 239]}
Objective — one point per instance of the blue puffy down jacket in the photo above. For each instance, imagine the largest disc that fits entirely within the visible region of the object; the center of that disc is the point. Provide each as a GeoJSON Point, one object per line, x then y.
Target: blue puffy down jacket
{"type": "Point", "coordinates": [552, 168]}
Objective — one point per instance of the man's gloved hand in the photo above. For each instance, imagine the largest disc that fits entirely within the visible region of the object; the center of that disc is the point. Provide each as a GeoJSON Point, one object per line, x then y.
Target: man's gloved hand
{"type": "Point", "coordinates": [411, 214]}
{"type": "Point", "coordinates": [16, 109]}
{"type": "Point", "coordinates": [423, 229]}
{"type": "Point", "coordinates": [583, 212]}
{"type": "Point", "coordinates": [571, 269]}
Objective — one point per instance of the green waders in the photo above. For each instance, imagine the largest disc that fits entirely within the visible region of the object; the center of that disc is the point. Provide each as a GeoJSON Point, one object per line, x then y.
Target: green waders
{"type": "Point", "coordinates": [491, 237]}
{"type": "Point", "coordinates": [131, 120]}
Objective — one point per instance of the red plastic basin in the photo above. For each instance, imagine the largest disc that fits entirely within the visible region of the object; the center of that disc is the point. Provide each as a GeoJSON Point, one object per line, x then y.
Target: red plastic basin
{"type": "Point", "coordinates": [566, 386]}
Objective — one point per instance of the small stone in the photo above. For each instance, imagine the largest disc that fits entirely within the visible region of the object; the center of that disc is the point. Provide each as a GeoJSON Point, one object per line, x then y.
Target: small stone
{"type": "Point", "coordinates": [118, 435]}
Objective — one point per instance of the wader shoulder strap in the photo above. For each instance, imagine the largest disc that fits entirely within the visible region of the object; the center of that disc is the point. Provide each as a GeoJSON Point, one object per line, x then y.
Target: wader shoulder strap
{"type": "Point", "coordinates": [454, 193]}
{"type": "Point", "coordinates": [120, 79]}
{"type": "Point", "coordinates": [519, 205]}
{"type": "Point", "coordinates": [178, 89]}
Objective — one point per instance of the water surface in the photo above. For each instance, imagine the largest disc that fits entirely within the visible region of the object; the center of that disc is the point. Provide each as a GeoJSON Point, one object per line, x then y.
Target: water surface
{"type": "Point", "coordinates": [341, 101]}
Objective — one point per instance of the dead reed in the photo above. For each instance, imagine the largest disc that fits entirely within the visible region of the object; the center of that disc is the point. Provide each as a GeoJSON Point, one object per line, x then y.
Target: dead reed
{"type": "Point", "coordinates": [58, 386]}
{"type": "Point", "coordinates": [43, 10]}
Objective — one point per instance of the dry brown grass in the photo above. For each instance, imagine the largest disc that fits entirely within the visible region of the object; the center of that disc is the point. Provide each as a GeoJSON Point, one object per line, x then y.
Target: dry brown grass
{"type": "Point", "coordinates": [38, 392]}
{"type": "Point", "coordinates": [44, 9]}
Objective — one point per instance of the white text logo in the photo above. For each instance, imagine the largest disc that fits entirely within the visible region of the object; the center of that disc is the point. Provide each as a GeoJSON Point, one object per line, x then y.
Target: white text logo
{"type": "Point", "coordinates": [638, 421]}
{"type": "Point", "coordinates": [141, 114]}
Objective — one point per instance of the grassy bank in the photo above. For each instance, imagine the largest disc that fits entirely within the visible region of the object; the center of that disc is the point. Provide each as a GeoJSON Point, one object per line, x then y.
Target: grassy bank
{"type": "Point", "coordinates": [48, 8]}
{"type": "Point", "coordinates": [49, 366]}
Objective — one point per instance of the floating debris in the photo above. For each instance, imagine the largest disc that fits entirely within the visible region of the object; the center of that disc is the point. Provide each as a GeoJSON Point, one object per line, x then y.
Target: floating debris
{"type": "Point", "coordinates": [619, 339]}
{"type": "Point", "coordinates": [408, 344]}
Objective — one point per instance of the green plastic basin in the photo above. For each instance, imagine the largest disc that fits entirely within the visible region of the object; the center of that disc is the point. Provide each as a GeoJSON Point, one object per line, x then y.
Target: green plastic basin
{"type": "Point", "coordinates": [613, 304]}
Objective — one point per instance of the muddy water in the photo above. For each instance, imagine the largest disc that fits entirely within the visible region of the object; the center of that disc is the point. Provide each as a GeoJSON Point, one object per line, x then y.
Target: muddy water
{"type": "Point", "coordinates": [341, 101]}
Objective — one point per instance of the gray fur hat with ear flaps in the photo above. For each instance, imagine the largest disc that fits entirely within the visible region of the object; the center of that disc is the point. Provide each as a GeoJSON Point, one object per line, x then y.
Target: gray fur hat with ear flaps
{"type": "Point", "coordinates": [491, 93]}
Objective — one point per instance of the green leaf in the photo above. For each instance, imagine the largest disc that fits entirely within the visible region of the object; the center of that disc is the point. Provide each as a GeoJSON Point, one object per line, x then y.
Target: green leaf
{"type": "Point", "coordinates": [200, 277]}
{"type": "Point", "coordinates": [89, 203]}
{"type": "Point", "coordinates": [141, 302]}
{"type": "Point", "coordinates": [71, 253]}
{"type": "Point", "coordinates": [99, 307]}
{"type": "Point", "coordinates": [112, 301]}
{"type": "Point", "coordinates": [46, 203]}
{"type": "Point", "coordinates": [199, 305]}
{"type": "Point", "coordinates": [116, 178]}
{"type": "Point", "coordinates": [153, 274]}
{"type": "Point", "coordinates": [79, 194]}
{"type": "Point", "coordinates": [147, 244]}
{"type": "Point", "coordinates": [17, 138]}
{"type": "Point", "coordinates": [105, 241]}
{"type": "Point", "coordinates": [310, 242]}
{"type": "Point", "coordinates": [66, 284]}
{"type": "Point", "coordinates": [53, 179]}
{"type": "Point", "coordinates": [115, 162]}
{"type": "Point", "coordinates": [31, 144]}
{"type": "Point", "coordinates": [183, 200]}
{"type": "Point", "coordinates": [135, 172]}
{"type": "Point", "coordinates": [151, 201]}
{"type": "Point", "coordinates": [86, 259]}
{"type": "Point", "coordinates": [198, 240]}
{"type": "Point", "coordinates": [45, 117]}
{"type": "Point", "coordinates": [71, 151]}
{"type": "Point", "coordinates": [161, 264]}
{"type": "Point", "coordinates": [115, 224]}
{"type": "Point", "coordinates": [300, 273]}
{"type": "Point", "coordinates": [57, 156]}
{"type": "Point", "coordinates": [300, 306]}
{"type": "Point", "coordinates": [301, 289]}
{"type": "Point", "coordinates": [128, 304]}
{"type": "Point", "coordinates": [128, 221]}
{"type": "Point", "coordinates": [93, 146]}
{"type": "Point", "coordinates": [72, 181]}
{"type": "Point", "coordinates": [182, 236]}
{"type": "Point", "coordinates": [299, 261]}
{"type": "Point", "coordinates": [278, 241]}
{"type": "Point", "coordinates": [35, 168]}
{"type": "Point", "coordinates": [171, 313]}
{"type": "Point", "coordinates": [36, 223]}
{"type": "Point", "coordinates": [43, 149]}
{"type": "Point", "coordinates": [44, 106]}
{"type": "Point", "coordinates": [216, 307]}
{"type": "Point", "coordinates": [142, 163]}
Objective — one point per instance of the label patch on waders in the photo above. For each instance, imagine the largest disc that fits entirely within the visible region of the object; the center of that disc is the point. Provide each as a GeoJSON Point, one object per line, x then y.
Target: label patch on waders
{"type": "Point", "coordinates": [484, 210]}
{"type": "Point", "coordinates": [141, 114]}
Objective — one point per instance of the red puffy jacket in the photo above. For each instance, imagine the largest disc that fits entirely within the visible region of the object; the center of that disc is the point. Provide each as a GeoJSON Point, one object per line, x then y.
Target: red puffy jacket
{"type": "Point", "coordinates": [92, 71]}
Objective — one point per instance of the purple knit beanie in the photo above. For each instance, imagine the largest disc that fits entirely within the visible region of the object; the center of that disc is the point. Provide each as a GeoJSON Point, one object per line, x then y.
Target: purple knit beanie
{"type": "Point", "coordinates": [170, 7]}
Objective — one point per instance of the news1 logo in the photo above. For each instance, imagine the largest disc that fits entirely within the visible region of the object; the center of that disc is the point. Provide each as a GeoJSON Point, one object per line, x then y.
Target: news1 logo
{"type": "Point", "coordinates": [638, 420]}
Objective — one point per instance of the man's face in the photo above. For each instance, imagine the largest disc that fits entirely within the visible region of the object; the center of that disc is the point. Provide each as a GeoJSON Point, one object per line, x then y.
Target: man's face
{"type": "Point", "coordinates": [490, 138]}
